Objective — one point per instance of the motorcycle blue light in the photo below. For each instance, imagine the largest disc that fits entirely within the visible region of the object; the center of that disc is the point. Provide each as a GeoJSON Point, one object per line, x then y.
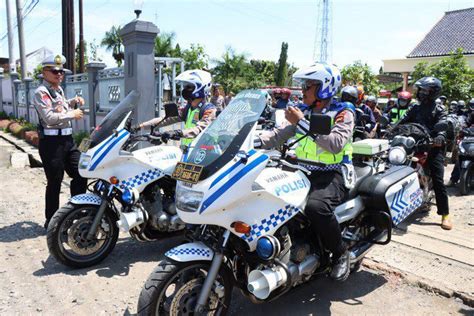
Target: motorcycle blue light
{"type": "Point", "coordinates": [127, 196]}
{"type": "Point", "coordinates": [265, 248]}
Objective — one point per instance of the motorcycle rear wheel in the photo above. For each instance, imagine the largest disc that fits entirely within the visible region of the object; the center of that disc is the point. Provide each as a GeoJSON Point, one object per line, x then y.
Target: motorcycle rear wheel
{"type": "Point", "coordinates": [465, 182]}
{"type": "Point", "coordinates": [66, 235]}
{"type": "Point", "coordinates": [173, 289]}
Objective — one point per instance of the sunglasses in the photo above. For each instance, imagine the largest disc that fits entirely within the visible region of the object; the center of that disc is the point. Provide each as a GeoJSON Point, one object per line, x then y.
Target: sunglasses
{"type": "Point", "coordinates": [305, 86]}
{"type": "Point", "coordinates": [56, 71]}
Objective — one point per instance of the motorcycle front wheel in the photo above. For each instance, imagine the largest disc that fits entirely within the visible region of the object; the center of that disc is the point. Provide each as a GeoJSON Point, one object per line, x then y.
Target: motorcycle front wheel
{"type": "Point", "coordinates": [173, 289]}
{"type": "Point", "coordinates": [67, 235]}
{"type": "Point", "coordinates": [465, 182]}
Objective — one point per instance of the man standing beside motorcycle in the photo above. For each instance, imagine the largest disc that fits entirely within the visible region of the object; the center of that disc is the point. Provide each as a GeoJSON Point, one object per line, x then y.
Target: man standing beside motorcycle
{"type": "Point", "coordinates": [323, 155]}
{"type": "Point", "coordinates": [428, 113]}
{"type": "Point", "coordinates": [197, 114]}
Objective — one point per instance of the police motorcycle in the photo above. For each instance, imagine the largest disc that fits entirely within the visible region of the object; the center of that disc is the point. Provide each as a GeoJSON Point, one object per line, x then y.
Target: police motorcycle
{"type": "Point", "coordinates": [246, 224]}
{"type": "Point", "coordinates": [409, 146]}
{"type": "Point", "coordinates": [133, 191]}
{"type": "Point", "coordinates": [466, 160]}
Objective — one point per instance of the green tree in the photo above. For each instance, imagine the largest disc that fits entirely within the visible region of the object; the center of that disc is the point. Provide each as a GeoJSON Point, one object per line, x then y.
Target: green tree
{"type": "Point", "coordinates": [164, 45]}
{"type": "Point", "coordinates": [453, 71]}
{"type": "Point", "coordinates": [93, 51]}
{"type": "Point", "coordinates": [195, 57]}
{"type": "Point", "coordinates": [360, 74]}
{"type": "Point", "coordinates": [37, 71]}
{"type": "Point", "coordinates": [230, 71]}
{"type": "Point", "coordinates": [76, 57]}
{"type": "Point", "coordinates": [262, 71]}
{"type": "Point", "coordinates": [282, 71]}
{"type": "Point", "coordinates": [113, 41]}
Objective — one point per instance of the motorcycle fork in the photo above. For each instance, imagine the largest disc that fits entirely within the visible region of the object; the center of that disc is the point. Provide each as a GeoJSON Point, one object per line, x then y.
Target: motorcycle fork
{"type": "Point", "coordinates": [211, 276]}
{"type": "Point", "coordinates": [98, 217]}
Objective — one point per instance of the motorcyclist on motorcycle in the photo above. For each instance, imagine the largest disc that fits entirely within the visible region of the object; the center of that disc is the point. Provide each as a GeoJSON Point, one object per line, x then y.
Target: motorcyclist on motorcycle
{"type": "Point", "coordinates": [324, 155]}
{"type": "Point", "coordinates": [470, 113]}
{"type": "Point", "coordinates": [403, 102]}
{"type": "Point", "coordinates": [284, 100]}
{"type": "Point", "coordinates": [427, 113]}
{"type": "Point", "coordinates": [350, 94]}
{"type": "Point", "coordinates": [197, 114]}
{"type": "Point", "coordinates": [372, 104]}
{"type": "Point", "coordinates": [453, 107]}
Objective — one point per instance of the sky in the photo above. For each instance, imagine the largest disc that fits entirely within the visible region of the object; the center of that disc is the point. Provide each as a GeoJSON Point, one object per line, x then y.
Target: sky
{"type": "Point", "coordinates": [366, 30]}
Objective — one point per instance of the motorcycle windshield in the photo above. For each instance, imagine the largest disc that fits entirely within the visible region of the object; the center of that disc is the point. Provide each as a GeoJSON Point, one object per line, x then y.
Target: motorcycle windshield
{"type": "Point", "coordinates": [223, 138]}
{"type": "Point", "coordinates": [113, 119]}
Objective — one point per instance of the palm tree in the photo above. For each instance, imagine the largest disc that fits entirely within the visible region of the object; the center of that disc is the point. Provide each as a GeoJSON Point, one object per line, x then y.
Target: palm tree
{"type": "Point", "coordinates": [164, 45]}
{"type": "Point", "coordinates": [113, 41]}
{"type": "Point", "coordinates": [230, 70]}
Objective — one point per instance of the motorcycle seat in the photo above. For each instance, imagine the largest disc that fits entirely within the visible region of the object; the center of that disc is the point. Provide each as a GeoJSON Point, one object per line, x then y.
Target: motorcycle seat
{"type": "Point", "coordinates": [362, 171]}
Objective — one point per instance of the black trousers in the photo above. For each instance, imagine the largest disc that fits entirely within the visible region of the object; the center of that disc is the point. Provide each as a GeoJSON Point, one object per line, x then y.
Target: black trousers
{"type": "Point", "coordinates": [59, 154]}
{"type": "Point", "coordinates": [327, 192]}
{"type": "Point", "coordinates": [436, 165]}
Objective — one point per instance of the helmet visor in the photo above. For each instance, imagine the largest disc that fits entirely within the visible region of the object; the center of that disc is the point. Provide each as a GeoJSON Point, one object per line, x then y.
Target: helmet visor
{"type": "Point", "coordinates": [402, 102]}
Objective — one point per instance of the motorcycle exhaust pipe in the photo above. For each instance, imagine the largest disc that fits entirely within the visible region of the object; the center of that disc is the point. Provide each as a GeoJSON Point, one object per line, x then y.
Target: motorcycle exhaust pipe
{"type": "Point", "coordinates": [129, 220]}
{"type": "Point", "coordinates": [262, 282]}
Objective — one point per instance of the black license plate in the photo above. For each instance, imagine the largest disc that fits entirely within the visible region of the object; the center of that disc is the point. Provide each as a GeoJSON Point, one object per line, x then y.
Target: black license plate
{"type": "Point", "coordinates": [187, 172]}
{"type": "Point", "coordinates": [85, 144]}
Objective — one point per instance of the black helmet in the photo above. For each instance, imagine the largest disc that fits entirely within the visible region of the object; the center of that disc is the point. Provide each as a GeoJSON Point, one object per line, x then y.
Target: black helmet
{"type": "Point", "coordinates": [429, 88]}
{"type": "Point", "coordinates": [349, 94]}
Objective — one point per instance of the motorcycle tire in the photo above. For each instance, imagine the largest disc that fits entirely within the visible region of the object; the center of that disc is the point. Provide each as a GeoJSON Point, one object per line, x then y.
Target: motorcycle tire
{"type": "Point", "coordinates": [173, 289]}
{"type": "Point", "coordinates": [465, 181]}
{"type": "Point", "coordinates": [59, 237]}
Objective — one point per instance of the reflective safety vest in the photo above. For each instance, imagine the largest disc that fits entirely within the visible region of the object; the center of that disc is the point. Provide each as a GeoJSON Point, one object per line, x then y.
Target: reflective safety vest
{"type": "Point", "coordinates": [191, 119]}
{"type": "Point", "coordinates": [308, 149]}
{"type": "Point", "coordinates": [397, 114]}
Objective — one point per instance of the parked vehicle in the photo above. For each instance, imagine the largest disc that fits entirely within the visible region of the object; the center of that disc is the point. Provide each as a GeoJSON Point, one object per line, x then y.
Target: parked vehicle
{"type": "Point", "coordinates": [248, 226]}
{"type": "Point", "coordinates": [133, 191]}
{"type": "Point", "coordinates": [466, 161]}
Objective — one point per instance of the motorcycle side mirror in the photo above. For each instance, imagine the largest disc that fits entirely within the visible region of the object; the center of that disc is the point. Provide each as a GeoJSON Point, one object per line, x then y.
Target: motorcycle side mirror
{"type": "Point", "coordinates": [441, 127]}
{"type": "Point", "coordinates": [243, 156]}
{"type": "Point", "coordinates": [320, 124]}
{"type": "Point", "coordinates": [171, 110]}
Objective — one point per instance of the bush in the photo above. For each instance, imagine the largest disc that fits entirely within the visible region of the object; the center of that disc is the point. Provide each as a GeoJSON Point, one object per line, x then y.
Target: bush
{"type": "Point", "coordinates": [3, 115]}
{"type": "Point", "coordinates": [78, 137]}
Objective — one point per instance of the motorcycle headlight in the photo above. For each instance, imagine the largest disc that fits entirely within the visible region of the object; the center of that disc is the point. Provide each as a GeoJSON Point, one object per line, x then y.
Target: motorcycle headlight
{"type": "Point", "coordinates": [188, 200]}
{"type": "Point", "coordinates": [84, 161]}
{"type": "Point", "coordinates": [397, 155]}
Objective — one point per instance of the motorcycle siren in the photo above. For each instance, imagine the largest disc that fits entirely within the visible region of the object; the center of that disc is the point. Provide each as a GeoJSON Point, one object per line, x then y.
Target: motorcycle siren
{"type": "Point", "coordinates": [326, 77]}
{"type": "Point", "coordinates": [428, 89]}
{"type": "Point", "coordinates": [404, 98]}
{"type": "Point", "coordinates": [196, 84]}
{"type": "Point", "coordinates": [349, 94]}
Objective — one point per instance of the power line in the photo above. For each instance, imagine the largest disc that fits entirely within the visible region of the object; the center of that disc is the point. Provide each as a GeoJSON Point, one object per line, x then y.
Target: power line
{"type": "Point", "coordinates": [26, 11]}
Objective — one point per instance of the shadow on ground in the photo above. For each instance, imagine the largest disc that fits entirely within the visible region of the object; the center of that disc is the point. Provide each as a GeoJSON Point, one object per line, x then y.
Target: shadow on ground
{"type": "Point", "coordinates": [21, 231]}
{"type": "Point", "coordinates": [127, 252]}
{"type": "Point", "coordinates": [314, 297]}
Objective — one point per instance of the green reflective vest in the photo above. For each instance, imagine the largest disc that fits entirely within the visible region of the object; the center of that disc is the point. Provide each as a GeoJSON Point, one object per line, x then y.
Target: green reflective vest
{"type": "Point", "coordinates": [397, 114]}
{"type": "Point", "coordinates": [309, 150]}
{"type": "Point", "coordinates": [191, 119]}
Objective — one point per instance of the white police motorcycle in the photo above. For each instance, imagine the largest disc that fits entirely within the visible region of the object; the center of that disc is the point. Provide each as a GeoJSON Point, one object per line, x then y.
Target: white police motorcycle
{"type": "Point", "coordinates": [249, 228]}
{"type": "Point", "coordinates": [134, 191]}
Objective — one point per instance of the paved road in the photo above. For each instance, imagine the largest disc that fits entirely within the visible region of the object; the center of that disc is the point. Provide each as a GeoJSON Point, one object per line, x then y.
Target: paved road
{"type": "Point", "coordinates": [31, 282]}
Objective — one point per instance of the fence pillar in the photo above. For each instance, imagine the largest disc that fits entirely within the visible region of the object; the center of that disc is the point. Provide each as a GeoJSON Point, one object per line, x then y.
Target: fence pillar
{"type": "Point", "coordinates": [15, 82]}
{"type": "Point", "coordinates": [93, 86]}
{"type": "Point", "coordinates": [139, 42]}
{"type": "Point", "coordinates": [1, 89]}
{"type": "Point", "coordinates": [27, 82]}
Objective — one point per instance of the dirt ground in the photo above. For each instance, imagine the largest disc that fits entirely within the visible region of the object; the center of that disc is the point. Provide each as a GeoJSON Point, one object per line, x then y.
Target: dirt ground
{"type": "Point", "coordinates": [32, 282]}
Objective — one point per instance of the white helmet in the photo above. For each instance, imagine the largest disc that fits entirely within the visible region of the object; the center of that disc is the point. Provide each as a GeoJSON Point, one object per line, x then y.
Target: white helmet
{"type": "Point", "coordinates": [327, 75]}
{"type": "Point", "coordinates": [197, 83]}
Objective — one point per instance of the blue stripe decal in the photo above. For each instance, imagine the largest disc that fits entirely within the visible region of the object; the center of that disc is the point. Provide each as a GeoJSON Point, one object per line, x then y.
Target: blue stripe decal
{"type": "Point", "coordinates": [231, 182]}
{"type": "Point", "coordinates": [94, 165]}
{"type": "Point", "coordinates": [111, 137]}
{"type": "Point", "coordinates": [232, 168]}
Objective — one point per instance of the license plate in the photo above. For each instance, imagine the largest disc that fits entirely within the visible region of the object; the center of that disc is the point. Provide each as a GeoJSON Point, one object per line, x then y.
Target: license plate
{"type": "Point", "coordinates": [187, 172]}
{"type": "Point", "coordinates": [85, 144]}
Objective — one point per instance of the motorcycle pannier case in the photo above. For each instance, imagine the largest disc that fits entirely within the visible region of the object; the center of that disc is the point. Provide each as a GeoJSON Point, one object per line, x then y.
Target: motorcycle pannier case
{"type": "Point", "coordinates": [395, 190]}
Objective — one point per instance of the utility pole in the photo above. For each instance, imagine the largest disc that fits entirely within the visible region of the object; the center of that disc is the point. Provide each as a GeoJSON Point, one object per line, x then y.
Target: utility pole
{"type": "Point", "coordinates": [21, 41]}
{"type": "Point", "coordinates": [81, 39]}
{"type": "Point", "coordinates": [68, 33]}
{"type": "Point", "coordinates": [11, 43]}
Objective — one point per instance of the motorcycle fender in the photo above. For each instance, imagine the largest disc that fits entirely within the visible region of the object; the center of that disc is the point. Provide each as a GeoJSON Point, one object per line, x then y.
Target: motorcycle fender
{"type": "Point", "coordinates": [86, 198]}
{"type": "Point", "coordinates": [465, 164]}
{"type": "Point", "coordinates": [194, 251]}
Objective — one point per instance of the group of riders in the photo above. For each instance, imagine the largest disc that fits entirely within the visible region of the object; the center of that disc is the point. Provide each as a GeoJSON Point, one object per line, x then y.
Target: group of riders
{"type": "Point", "coordinates": [324, 154]}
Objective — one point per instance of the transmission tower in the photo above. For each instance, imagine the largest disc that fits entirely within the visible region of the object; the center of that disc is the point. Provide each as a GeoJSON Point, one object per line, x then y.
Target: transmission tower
{"type": "Point", "coordinates": [322, 42]}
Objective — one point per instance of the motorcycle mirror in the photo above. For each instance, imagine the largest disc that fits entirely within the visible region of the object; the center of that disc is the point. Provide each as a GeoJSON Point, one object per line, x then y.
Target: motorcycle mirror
{"type": "Point", "coordinates": [171, 110]}
{"type": "Point", "coordinates": [441, 127]}
{"type": "Point", "coordinates": [320, 124]}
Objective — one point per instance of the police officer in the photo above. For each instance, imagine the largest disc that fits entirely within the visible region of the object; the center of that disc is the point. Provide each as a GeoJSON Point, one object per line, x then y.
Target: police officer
{"type": "Point", "coordinates": [324, 155]}
{"type": "Point", "coordinates": [56, 146]}
{"type": "Point", "coordinates": [197, 114]}
{"type": "Point", "coordinates": [398, 111]}
{"type": "Point", "coordinates": [428, 113]}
